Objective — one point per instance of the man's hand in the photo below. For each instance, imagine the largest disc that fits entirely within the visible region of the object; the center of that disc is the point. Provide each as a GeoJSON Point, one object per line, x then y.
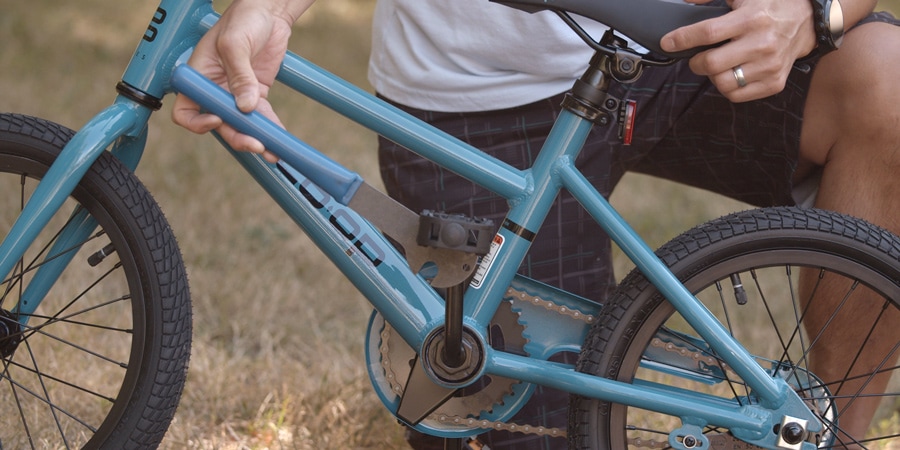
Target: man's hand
{"type": "Point", "coordinates": [764, 39]}
{"type": "Point", "coordinates": [242, 52]}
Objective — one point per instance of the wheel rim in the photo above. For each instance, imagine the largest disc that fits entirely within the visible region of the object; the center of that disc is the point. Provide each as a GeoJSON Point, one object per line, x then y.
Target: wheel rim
{"type": "Point", "coordinates": [67, 381]}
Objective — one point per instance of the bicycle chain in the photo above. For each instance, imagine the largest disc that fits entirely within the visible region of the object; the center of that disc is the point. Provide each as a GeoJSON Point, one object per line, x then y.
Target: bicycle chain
{"type": "Point", "coordinates": [720, 441]}
{"type": "Point", "coordinates": [515, 295]}
{"type": "Point", "coordinates": [686, 353]}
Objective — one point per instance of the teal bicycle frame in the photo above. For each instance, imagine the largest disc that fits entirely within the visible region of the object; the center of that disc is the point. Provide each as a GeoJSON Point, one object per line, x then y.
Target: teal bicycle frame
{"type": "Point", "coordinates": [316, 196]}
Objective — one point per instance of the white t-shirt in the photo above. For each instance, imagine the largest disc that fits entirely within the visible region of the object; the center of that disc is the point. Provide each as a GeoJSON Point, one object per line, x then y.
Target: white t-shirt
{"type": "Point", "coordinates": [472, 55]}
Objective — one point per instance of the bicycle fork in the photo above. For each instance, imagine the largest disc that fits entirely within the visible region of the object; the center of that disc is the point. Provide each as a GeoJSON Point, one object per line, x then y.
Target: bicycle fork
{"type": "Point", "coordinates": [122, 125]}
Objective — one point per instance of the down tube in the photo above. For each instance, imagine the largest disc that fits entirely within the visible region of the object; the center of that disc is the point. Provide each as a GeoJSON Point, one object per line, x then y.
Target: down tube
{"type": "Point", "coordinates": [358, 249]}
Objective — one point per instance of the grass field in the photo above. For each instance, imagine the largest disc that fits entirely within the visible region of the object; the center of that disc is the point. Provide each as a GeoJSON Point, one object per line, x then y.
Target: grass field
{"type": "Point", "coordinates": [278, 346]}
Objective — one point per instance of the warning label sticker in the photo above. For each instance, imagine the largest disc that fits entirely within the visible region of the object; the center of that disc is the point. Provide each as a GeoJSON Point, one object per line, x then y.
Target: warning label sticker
{"type": "Point", "coordinates": [486, 262]}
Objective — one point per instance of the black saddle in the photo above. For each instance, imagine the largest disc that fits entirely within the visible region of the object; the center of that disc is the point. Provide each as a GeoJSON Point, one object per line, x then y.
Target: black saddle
{"type": "Point", "coordinates": [644, 21]}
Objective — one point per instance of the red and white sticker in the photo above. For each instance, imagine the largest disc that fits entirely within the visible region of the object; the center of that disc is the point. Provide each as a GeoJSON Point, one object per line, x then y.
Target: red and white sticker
{"type": "Point", "coordinates": [486, 262]}
{"type": "Point", "coordinates": [628, 125]}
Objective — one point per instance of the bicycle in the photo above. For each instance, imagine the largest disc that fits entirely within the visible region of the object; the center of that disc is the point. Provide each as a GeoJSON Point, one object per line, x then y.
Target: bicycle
{"type": "Point", "coordinates": [458, 340]}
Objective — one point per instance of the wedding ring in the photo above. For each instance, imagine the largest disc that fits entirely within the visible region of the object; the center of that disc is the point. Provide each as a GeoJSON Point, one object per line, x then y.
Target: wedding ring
{"type": "Point", "coordinates": [739, 76]}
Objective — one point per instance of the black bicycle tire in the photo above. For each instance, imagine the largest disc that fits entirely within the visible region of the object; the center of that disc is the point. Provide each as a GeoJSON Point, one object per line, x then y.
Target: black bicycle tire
{"type": "Point", "coordinates": [156, 371]}
{"type": "Point", "coordinates": [627, 312]}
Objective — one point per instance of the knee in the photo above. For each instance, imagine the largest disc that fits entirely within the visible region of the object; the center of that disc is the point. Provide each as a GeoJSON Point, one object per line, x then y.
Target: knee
{"type": "Point", "coordinates": [862, 78]}
{"type": "Point", "coordinates": [853, 107]}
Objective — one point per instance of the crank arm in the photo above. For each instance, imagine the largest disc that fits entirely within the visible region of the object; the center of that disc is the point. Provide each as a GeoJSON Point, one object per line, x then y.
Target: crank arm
{"type": "Point", "coordinates": [421, 396]}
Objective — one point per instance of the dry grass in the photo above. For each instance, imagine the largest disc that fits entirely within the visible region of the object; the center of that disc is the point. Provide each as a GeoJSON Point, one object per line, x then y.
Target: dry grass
{"type": "Point", "coordinates": [278, 347]}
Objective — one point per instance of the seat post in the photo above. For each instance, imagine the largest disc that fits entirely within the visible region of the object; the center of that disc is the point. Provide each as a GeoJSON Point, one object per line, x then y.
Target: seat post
{"type": "Point", "coordinates": [590, 98]}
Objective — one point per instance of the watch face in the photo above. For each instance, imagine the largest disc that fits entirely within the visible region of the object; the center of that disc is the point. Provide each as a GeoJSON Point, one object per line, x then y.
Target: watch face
{"type": "Point", "coordinates": [835, 21]}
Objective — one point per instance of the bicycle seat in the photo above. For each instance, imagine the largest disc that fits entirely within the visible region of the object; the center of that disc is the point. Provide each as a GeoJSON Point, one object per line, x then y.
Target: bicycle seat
{"type": "Point", "coordinates": [644, 21]}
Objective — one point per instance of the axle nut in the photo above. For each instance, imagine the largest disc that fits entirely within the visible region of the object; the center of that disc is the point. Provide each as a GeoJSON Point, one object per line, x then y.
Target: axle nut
{"type": "Point", "coordinates": [792, 433]}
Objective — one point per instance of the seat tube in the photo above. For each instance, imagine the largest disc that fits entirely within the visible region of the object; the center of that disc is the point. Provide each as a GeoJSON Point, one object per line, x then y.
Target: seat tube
{"type": "Point", "coordinates": [565, 141]}
{"type": "Point", "coordinates": [525, 217]}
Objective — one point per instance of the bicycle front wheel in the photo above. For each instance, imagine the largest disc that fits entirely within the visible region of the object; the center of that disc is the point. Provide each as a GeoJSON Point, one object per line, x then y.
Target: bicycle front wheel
{"type": "Point", "coordinates": [101, 361]}
{"type": "Point", "coordinates": [813, 295]}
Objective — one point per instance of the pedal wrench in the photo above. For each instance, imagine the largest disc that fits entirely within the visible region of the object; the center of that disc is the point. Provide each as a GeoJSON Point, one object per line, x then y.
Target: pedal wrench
{"type": "Point", "coordinates": [402, 225]}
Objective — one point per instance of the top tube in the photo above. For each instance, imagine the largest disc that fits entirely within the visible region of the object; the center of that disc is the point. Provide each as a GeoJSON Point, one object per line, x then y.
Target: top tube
{"type": "Point", "coordinates": [398, 126]}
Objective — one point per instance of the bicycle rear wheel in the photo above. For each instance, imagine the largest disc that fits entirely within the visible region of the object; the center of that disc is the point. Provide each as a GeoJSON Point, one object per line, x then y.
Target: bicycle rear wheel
{"type": "Point", "coordinates": [101, 362]}
{"type": "Point", "coordinates": [763, 274]}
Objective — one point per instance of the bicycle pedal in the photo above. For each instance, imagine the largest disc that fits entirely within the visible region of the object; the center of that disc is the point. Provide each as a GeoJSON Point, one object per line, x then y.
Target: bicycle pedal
{"type": "Point", "coordinates": [455, 232]}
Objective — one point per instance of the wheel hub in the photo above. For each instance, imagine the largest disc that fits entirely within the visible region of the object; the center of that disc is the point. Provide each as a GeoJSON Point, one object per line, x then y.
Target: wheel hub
{"type": "Point", "coordinates": [817, 397]}
{"type": "Point", "coordinates": [10, 333]}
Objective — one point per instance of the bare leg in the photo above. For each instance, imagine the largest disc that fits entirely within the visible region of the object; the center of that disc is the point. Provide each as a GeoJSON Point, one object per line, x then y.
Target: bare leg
{"type": "Point", "coordinates": [852, 340]}
{"type": "Point", "coordinates": [852, 130]}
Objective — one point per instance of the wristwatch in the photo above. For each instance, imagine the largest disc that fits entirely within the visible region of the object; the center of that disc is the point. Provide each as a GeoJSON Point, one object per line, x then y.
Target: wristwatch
{"type": "Point", "coordinates": [828, 20]}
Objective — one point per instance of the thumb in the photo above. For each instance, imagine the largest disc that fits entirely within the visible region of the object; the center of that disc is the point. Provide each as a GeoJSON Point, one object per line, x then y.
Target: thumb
{"type": "Point", "coordinates": [243, 84]}
{"type": "Point", "coordinates": [242, 81]}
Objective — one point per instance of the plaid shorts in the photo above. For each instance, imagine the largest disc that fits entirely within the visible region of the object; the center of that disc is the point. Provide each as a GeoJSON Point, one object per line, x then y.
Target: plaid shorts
{"type": "Point", "coordinates": [684, 131]}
